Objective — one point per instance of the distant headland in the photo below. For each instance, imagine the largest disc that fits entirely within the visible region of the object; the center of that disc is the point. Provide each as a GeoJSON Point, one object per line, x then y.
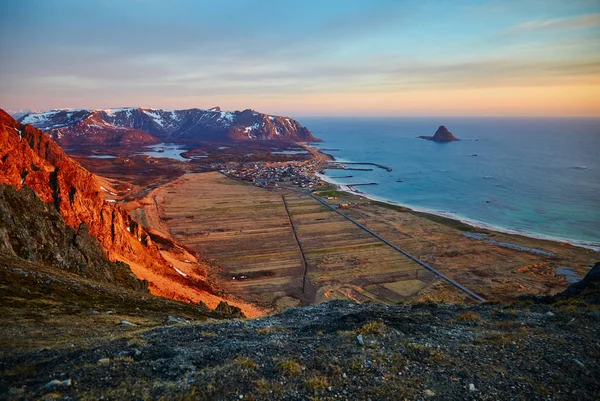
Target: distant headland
{"type": "Point", "coordinates": [441, 135]}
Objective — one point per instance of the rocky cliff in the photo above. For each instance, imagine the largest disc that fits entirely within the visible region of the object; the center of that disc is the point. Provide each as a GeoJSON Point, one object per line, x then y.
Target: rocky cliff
{"type": "Point", "coordinates": [33, 230]}
{"type": "Point", "coordinates": [28, 157]}
{"type": "Point", "coordinates": [142, 125]}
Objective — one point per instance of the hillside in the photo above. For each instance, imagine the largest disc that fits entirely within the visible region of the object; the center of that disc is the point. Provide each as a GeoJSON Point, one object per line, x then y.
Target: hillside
{"type": "Point", "coordinates": [535, 349]}
{"type": "Point", "coordinates": [36, 232]}
{"type": "Point", "coordinates": [124, 126]}
{"type": "Point", "coordinates": [31, 159]}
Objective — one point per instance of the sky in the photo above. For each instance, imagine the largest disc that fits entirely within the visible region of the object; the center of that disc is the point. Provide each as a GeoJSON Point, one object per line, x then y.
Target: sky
{"type": "Point", "coordinates": [302, 58]}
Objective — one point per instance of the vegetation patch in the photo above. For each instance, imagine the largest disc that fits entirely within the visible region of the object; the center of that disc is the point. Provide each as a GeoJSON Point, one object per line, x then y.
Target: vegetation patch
{"type": "Point", "coordinates": [290, 368]}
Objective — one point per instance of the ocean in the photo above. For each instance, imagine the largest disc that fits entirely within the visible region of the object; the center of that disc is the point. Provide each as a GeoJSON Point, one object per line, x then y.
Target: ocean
{"type": "Point", "coordinates": [533, 176]}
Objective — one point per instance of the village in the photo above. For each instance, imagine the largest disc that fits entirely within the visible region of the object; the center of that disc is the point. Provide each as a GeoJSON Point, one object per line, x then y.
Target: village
{"type": "Point", "coordinates": [270, 175]}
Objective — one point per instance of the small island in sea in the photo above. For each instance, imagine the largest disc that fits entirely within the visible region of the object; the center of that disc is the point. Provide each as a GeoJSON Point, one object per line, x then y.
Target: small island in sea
{"type": "Point", "coordinates": [441, 135]}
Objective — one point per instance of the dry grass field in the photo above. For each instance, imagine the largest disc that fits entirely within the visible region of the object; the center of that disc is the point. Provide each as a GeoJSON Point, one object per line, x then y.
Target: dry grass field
{"type": "Point", "coordinates": [249, 234]}
{"type": "Point", "coordinates": [282, 248]}
{"type": "Point", "coordinates": [496, 272]}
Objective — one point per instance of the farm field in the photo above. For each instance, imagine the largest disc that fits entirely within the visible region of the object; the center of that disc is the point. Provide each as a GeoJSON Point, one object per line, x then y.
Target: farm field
{"type": "Point", "coordinates": [248, 232]}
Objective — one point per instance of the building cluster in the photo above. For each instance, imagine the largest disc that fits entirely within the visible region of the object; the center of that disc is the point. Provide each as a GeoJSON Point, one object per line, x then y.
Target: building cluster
{"type": "Point", "coordinates": [264, 175]}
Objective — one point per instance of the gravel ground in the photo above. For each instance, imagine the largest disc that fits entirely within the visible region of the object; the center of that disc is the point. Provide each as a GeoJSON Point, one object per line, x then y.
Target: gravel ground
{"type": "Point", "coordinates": [336, 350]}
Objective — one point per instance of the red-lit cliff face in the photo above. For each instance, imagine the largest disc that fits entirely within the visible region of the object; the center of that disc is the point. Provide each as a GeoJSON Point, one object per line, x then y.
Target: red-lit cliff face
{"type": "Point", "coordinates": [29, 157]}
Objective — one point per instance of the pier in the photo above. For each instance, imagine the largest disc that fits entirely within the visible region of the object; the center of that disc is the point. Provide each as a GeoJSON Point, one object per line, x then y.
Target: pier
{"type": "Point", "coordinates": [339, 167]}
{"type": "Point", "coordinates": [381, 166]}
{"type": "Point", "coordinates": [367, 183]}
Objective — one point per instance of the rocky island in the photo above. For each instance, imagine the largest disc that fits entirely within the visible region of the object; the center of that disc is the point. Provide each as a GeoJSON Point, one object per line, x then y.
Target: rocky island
{"type": "Point", "coordinates": [441, 135]}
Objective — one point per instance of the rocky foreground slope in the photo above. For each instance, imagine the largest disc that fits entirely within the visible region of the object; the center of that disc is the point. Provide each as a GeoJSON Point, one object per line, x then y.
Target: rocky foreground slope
{"type": "Point", "coordinates": [536, 349]}
{"type": "Point", "coordinates": [34, 231]}
{"type": "Point", "coordinates": [125, 126]}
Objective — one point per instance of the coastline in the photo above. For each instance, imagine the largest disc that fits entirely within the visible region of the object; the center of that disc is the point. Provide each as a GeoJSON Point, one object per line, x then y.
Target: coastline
{"type": "Point", "coordinates": [462, 219]}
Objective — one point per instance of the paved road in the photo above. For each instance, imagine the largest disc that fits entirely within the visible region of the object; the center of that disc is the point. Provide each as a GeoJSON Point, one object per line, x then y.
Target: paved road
{"type": "Point", "coordinates": [408, 255]}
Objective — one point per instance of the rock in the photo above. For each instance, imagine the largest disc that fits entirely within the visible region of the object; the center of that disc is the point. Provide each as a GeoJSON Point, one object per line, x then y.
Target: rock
{"type": "Point", "coordinates": [226, 309]}
{"type": "Point", "coordinates": [126, 323]}
{"type": "Point", "coordinates": [472, 387]}
{"type": "Point", "coordinates": [429, 393]}
{"type": "Point", "coordinates": [52, 384]}
{"type": "Point", "coordinates": [588, 289]}
{"type": "Point", "coordinates": [176, 320]}
{"type": "Point", "coordinates": [360, 339]}
{"type": "Point", "coordinates": [103, 361]}
{"type": "Point", "coordinates": [441, 135]}
{"type": "Point", "coordinates": [548, 314]}
{"type": "Point", "coordinates": [579, 363]}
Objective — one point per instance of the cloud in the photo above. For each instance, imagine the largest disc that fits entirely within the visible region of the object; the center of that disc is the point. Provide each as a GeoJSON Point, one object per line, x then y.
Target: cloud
{"type": "Point", "coordinates": [567, 23]}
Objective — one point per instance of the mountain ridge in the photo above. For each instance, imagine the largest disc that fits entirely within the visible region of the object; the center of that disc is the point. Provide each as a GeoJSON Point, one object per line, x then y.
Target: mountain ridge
{"type": "Point", "coordinates": [121, 126]}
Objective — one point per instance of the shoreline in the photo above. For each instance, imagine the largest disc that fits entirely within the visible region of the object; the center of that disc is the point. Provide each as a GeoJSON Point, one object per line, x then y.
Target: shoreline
{"type": "Point", "coordinates": [471, 222]}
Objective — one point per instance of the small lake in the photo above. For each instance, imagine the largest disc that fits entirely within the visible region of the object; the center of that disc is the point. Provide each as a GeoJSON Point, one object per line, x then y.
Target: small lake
{"type": "Point", "coordinates": [101, 157]}
{"type": "Point", "coordinates": [166, 151]}
{"type": "Point", "coordinates": [569, 274]}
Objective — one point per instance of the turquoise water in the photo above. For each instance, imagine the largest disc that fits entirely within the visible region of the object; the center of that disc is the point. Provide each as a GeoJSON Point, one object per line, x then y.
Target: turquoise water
{"type": "Point", "coordinates": [534, 176]}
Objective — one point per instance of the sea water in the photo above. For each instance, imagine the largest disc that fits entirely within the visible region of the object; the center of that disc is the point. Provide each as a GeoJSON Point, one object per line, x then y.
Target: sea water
{"type": "Point", "coordinates": [535, 176]}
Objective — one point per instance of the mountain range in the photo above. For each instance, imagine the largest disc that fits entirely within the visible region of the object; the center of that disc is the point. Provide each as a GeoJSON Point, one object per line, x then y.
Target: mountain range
{"type": "Point", "coordinates": [123, 126]}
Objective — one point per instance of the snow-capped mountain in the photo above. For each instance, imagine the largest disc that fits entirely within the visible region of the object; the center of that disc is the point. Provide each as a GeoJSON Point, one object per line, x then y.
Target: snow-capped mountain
{"type": "Point", "coordinates": [20, 113]}
{"type": "Point", "coordinates": [142, 125]}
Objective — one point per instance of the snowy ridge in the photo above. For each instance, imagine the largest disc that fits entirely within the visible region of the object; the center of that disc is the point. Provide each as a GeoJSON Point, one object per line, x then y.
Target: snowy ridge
{"type": "Point", "coordinates": [211, 124]}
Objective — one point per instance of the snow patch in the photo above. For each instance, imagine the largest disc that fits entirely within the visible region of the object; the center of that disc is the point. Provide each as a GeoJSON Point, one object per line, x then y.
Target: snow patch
{"type": "Point", "coordinates": [179, 271]}
{"type": "Point", "coordinates": [226, 115]}
{"type": "Point", "coordinates": [155, 115]}
{"type": "Point", "coordinates": [106, 190]}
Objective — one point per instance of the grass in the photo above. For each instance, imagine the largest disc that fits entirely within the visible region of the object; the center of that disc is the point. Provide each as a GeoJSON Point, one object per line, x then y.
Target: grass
{"type": "Point", "coordinates": [466, 317]}
{"type": "Point", "coordinates": [245, 363]}
{"type": "Point", "coordinates": [290, 368]}
{"type": "Point", "coordinates": [271, 329]}
{"type": "Point", "coordinates": [500, 339]}
{"type": "Point", "coordinates": [331, 193]}
{"type": "Point", "coordinates": [372, 328]}
{"type": "Point", "coordinates": [316, 383]}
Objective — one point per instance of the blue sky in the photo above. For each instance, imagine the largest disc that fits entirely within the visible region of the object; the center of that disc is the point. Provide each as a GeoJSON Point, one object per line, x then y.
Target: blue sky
{"type": "Point", "coordinates": [333, 57]}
